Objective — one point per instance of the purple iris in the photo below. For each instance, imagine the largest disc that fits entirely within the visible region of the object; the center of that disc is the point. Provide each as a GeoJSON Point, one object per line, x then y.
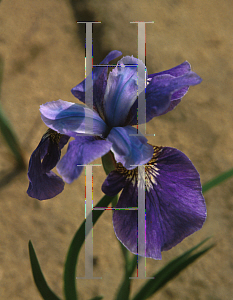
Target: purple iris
{"type": "Point", "coordinates": [174, 203]}
{"type": "Point", "coordinates": [175, 207]}
{"type": "Point", "coordinates": [43, 183]}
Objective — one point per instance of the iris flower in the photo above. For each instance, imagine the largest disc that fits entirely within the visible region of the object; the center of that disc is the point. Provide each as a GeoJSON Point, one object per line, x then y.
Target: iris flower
{"type": "Point", "coordinates": [174, 203]}
{"type": "Point", "coordinates": [175, 207]}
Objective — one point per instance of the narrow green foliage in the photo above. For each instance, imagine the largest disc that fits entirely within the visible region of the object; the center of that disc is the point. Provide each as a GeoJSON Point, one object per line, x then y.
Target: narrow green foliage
{"type": "Point", "coordinates": [125, 286]}
{"type": "Point", "coordinates": [217, 180]}
{"type": "Point", "coordinates": [43, 288]}
{"type": "Point", "coordinates": [168, 272]}
{"type": "Point", "coordinates": [97, 298]}
{"type": "Point", "coordinates": [75, 247]}
{"type": "Point", "coordinates": [109, 163]}
{"type": "Point", "coordinates": [7, 131]}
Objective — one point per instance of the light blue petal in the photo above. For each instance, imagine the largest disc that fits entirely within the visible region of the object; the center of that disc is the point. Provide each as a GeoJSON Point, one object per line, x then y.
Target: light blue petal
{"type": "Point", "coordinates": [81, 151]}
{"type": "Point", "coordinates": [99, 74]}
{"type": "Point", "coordinates": [129, 150]}
{"type": "Point", "coordinates": [122, 89]}
{"type": "Point", "coordinates": [72, 119]}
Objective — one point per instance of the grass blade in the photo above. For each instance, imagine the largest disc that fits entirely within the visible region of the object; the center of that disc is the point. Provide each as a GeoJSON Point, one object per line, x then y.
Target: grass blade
{"type": "Point", "coordinates": [11, 140]}
{"type": "Point", "coordinates": [124, 289]}
{"type": "Point", "coordinates": [7, 131]}
{"type": "Point", "coordinates": [168, 272]}
{"type": "Point", "coordinates": [73, 252]}
{"type": "Point", "coordinates": [42, 286]}
{"type": "Point", "coordinates": [217, 180]}
{"type": "Point", "coordinates": [109, 163]}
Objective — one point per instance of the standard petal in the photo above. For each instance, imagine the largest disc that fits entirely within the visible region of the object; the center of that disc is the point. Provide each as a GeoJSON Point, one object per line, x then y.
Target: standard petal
{"type": "Point", "coordinates": [159, 91]}
{"type": "Point", "coordinates": [177, 71]}
{"type": "Point", "coordinates": [72, 119]}
{"type": "Point", "coordinates": [128, 149]}
{"type": "Point", "coordinates": [121, 91]}
{"type": "Point", "coordinates": [81, 151]}
{"type": "Point", "coordinates": [175, 207]}
{"type": "Point", "coordinates": [99, 83]}
{"type": "Point", "coordinates": [164, 91]}
{"type": "Point", "coordinates": [161, 105]}
{"type": "Point", "coordinates": [43, 183]}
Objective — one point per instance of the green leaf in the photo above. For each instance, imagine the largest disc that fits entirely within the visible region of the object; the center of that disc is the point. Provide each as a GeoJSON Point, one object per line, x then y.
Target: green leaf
{"type": "Point", "coordinates": [124, 288]}
{"type": "Point", "coordinates": [217, 180]}
{"type": "Point", "coordinates": [43, 288]}
{"type": "Point", "coordinates": [108, 162]}
{"type": "Point", "coordinates": [73, 252]}
{"type": "Point", "coordinates": [97, 298]}
{"type": "Point", "coordinates": [7, 131]}
{"type": "Point", "coordinates": [168, 272]}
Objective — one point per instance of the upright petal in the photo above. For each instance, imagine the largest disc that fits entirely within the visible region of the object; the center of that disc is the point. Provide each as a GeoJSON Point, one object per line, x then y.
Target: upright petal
{"type": "Point", "coordinates": [129, 148]}
{"type": "Point", "coordinates": [43, 183]}
{"type": "Point", "coordinates": [99, 74]}
{"type": "Point", "coordinates": [165, 90]}
{"type": "Point", "coordinates": [175, 207]}
{"type": "Point", "coordinates": [72, 119]}
{"type": "Point", "coordinates": [177, 71]}
{"type": "Point", "coordinates": [81, 151]}
{"type": "Point", "coordinates": [121, 90]}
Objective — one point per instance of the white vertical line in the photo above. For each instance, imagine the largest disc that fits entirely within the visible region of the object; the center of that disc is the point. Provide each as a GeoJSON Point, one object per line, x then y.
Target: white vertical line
{"type": "Point", "coordinates": [89, 79]}
{"type": "Point", "coordinates": [141, 220]}
{"type": "Point", "coordinates": [142, 78]}
{"type": "Point", "coordinates": [89, 224]}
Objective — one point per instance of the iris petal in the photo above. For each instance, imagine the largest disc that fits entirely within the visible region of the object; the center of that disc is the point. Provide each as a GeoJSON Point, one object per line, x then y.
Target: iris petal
{"type": "Point", "coordinates": [128, 149]}
{"type": "Point", "coordinates": [81, 151]}
{"type": "Point", "coordinates": [160, 89]}
{"type": "Point", "coordinates": [177, 71]}
{"type": "Point", "coordinates": [43, 183]}
{"type": "Point", "coordinates": [99, 83]}
{"type": "Point", "coordinates": [121, 91]}
{"type": "Point", "coordinates": [72, 119]}
{"type": "Point", "coordinates": [165, 90]}
{"type": "Point", "coordinates": [175, 207]}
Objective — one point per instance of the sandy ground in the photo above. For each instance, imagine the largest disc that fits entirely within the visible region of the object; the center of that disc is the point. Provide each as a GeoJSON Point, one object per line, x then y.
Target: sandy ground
{"type": "Point", "coordinates": [43, 50]}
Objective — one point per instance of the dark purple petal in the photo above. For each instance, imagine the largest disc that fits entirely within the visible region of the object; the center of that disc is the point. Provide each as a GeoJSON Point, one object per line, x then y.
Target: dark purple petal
{"type": "Point", "coordinates": [177, 71]}
{"type": "Point", "coordinates": [114, 183]}
{"type": "Point", "coordinates": [129, 148]}
{"type": "Point", "coordinates": [99, 83]}
{"type": "Point", "coordinates": [122, 89]}
{"type": "Point", "coordinates": [81, 151]}
{"type": "Point", "coordinates": [43, 183]}
{"type": "Point", "coordinates": [175, 207]}
{"type": "Point", "coordinates": [175, 99]}
{"type": "Point", "coordinates": [72, 119]}
{"type": "Point", "coordinates": [163, 93]}
{"type": "Point", "coordinates": [45, 186]}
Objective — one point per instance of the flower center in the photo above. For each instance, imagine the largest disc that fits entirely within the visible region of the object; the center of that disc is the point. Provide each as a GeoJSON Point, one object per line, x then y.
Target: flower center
{"type": "Point", "coordinates": [53, 136]}
{"type": "Point", "coordinates": [151, 171]}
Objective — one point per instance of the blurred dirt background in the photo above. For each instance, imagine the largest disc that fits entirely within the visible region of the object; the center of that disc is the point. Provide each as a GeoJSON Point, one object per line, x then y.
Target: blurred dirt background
{"type": "Point", "coordinates": [43, 52]}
